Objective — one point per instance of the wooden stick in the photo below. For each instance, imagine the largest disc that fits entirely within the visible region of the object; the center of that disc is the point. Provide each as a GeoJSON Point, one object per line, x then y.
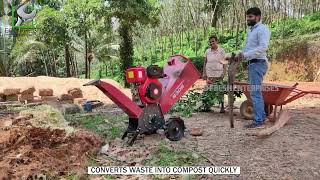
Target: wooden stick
{"type": "Point", "coordinates": [232, 71]}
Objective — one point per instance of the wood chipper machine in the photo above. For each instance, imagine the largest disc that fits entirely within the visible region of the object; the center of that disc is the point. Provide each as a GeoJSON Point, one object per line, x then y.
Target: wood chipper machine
{"type": "Point", "coordinates": [155, 91]}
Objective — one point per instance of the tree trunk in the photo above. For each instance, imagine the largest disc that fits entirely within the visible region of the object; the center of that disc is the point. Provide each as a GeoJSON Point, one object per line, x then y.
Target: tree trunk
{"type": "Point", "coordinates": [90, 57]}
{"type": "Point", "coordinates": [112, 69]}
{"type": "Point", "coordinates": [73, 74]}
{"type": "Point", "coordinates": [196, 43]}
{"type": "Point", "coordinates": [53, 65]}
{"type": "Point", "coordinates": [171, 42]}
{"type": "Point", "coordinates": [45, 63]}
{"type": "Point", "coordinates": [106, 66]}
{"type": "Point", "coordinates": [162, 50]}
{"type": "Point", "coordinates": [86, 56]}
{"type": "Point", "coordinates": [214, 15]}
{"type": "Point", "coordinates": [237, 35]}
{"type": "Point", "coordinates": [67, 60]}
{"type": "Point", "coordinates": [76, 66]}
{"type": "Point", "coordinates": [126, 48]}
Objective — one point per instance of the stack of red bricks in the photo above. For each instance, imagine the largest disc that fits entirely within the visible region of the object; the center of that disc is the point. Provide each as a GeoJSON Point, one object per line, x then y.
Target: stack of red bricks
{"type": "Point", "coordinates": [46, 94]}
{"type": "Point", "coordinates": [73, 95]}
{"type": "Point", "coordinates": [24, 94]}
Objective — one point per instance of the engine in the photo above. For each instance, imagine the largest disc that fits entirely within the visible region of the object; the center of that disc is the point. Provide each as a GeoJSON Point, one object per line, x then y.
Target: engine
{"type": "Point", "coordinates": [147, 87]}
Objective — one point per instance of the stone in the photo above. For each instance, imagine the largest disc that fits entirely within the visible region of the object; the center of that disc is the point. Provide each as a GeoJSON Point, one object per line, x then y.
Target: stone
{"type": "Point", "coordinates": [70, 109]}
{"type": "Point", "coordinates": [49, 98]}
{"type": "Point", "coordinates": [25, 97]}
{"type": "Point", "coordinates": [104, 149]}
{"type": "Point", "coordinates": [7, 124]}
{"type": "Point", "coordinates": [11, 91]}
{"type": "Point", "coordinates": [196, 132]}
{"type": "Point", "coordinates": [63, 97]}
{"type": "Point", "coordinates": [27, 90]}
{"type": "Point", "coordinates": [45, 92]}
{"type": "Point", "coordinates": [75, 92]}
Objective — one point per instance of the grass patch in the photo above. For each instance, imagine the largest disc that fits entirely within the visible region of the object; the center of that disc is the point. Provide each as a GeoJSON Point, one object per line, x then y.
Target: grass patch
{"type": "Point", "coordinates": [164, 156]}
{"type": "Point", "coordinates": [109, 127]}
{"type": "Point", "coordinates": [46, 116]}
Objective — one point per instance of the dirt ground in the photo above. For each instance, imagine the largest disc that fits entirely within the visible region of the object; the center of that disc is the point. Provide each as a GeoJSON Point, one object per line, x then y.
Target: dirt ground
{"type": "Point", "coordinates": [293, 152]}
{"type": "Point", "coordinates": [28, 152]}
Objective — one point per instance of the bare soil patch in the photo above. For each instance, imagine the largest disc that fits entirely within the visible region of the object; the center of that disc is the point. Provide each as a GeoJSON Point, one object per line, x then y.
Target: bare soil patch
{"type": "Point", "coordinates": [292, 152]}
{"type": "Point", "coordinates": [26, 150]}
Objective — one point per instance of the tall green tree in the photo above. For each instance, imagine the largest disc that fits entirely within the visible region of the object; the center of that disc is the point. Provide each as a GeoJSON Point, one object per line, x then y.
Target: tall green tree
{"type": "Point", "coordinates": [217, 8]}
{"type": "Point", "coordinates": [82, 17]}
{"type": "Point", "coordinates": [52, 29]}
{"type": "Point", "coordinates": [129, 13]}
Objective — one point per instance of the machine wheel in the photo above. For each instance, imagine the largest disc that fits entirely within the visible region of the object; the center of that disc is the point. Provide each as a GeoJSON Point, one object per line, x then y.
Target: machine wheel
{"type": "Point", "coordinates": [246, 109]}
{"type": "Point", "coordinates": [174, 129]}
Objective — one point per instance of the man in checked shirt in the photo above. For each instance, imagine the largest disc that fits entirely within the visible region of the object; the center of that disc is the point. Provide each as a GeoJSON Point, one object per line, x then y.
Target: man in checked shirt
{"type": "Point", "coordinates": [255, 54]}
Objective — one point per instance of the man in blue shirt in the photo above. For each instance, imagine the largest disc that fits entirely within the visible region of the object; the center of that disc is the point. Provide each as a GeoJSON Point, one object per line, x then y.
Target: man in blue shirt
{"type": "Point", "coordinates": [255, 53]}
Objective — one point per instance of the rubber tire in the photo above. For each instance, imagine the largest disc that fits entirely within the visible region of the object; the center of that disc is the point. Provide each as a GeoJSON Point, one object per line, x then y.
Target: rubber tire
{"type": "Point", "coordinates": [174, 129]}
{"type": "Point", "coordinates": [246, 110]}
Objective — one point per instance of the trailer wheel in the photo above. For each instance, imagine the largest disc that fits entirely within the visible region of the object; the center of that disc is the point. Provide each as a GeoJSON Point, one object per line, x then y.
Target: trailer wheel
{"type": "Point", "coordinates": [246, 110]}
{"type": "Point", "coordinates": [174, 129]}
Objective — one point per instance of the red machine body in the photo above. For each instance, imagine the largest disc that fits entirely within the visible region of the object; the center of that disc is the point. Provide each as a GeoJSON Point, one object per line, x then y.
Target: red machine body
{"type": "Point", "coordinates": [157, 90]}
{"type": "Point", "coordinates": [179, 74]}
{"type": "Point", "coordinates": [150, 91]}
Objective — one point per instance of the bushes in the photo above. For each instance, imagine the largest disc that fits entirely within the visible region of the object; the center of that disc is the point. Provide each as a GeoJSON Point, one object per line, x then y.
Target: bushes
{"type": "Point", "coordinates": [294, 27]}
{"type": "Point", "coordinates": [198, 62]}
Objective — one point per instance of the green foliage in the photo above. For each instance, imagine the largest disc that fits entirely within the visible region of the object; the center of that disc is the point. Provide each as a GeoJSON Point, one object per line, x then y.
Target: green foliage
{"type": "Point", "coordinates": [132, 11]}
{"type": "Point", "coordinates": [81, 14]}
{"type": "Point", "coordinates": [52, 28]}
{"type": "Point", "coordinates": [293, 27]}
{"type": "Point", "coordinates": [109, 127]}
{"type": "Point", "coordinates": [213, 95]}
{"type": "Point", "coordinates": [188, 104]}
{"type": "Point", "coordinates": [129, 13]}
{"type": "Point", "coordinates": [198, 62]}
{"type": "Point", "coordinates": [169, 157]}
{"type": "Point", "coordinates": [55, 4]}
{"type": "Point", "coordinates": [195, 101]}
{"type": "Point", "coordinates": [37, 50]}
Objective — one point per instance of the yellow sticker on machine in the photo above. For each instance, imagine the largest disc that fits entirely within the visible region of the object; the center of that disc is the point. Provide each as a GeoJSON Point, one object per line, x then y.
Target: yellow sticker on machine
{"type": "Point", "coordinates": [130, 74]}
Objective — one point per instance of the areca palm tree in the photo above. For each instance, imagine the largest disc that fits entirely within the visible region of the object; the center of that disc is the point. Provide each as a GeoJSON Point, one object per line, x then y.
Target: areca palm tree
{"type": "Point", "coordinates": [31, 53]}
